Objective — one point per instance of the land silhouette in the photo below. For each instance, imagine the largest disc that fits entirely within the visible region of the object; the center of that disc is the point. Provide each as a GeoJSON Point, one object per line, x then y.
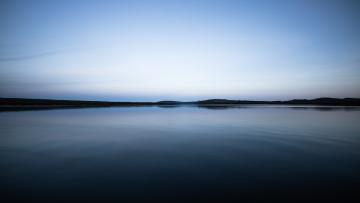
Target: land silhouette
{"type": "Point", "coordinates": [8, 104]}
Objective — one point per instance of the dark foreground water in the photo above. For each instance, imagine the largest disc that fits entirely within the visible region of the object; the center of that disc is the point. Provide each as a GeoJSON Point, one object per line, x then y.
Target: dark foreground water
{"type": "Point", "coordinates": [184, 154]}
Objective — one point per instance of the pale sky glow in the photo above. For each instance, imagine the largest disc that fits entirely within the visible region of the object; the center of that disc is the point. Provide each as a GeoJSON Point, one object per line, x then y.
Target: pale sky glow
{"type": "Point", "coordinates": [184, 50]}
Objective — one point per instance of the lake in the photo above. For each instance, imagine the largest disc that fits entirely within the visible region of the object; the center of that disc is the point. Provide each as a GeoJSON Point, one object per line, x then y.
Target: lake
{"type": "Point", "coordinates": [180, 154]}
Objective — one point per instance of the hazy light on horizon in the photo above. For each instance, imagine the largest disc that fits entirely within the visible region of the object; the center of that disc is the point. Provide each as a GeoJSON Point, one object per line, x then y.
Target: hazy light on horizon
{"type": "Point", "coordinates": [153, 50]}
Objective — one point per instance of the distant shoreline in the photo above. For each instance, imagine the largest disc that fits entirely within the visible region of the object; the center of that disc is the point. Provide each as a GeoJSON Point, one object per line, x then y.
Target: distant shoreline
{"type": "Point", "coordinates": [18, 104]}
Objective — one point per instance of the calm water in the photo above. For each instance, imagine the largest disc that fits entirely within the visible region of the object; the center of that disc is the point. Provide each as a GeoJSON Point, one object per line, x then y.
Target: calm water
{"type": "Point", "coordinates": [184, 154]}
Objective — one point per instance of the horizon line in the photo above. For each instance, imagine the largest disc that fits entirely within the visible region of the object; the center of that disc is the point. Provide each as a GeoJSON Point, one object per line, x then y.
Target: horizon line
{"type": "Point", "coordinates": [316, 98]}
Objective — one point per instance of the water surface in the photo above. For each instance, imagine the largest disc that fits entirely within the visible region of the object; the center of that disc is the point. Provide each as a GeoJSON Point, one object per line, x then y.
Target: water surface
{"type": "Point", "coordinates": [184, 154]}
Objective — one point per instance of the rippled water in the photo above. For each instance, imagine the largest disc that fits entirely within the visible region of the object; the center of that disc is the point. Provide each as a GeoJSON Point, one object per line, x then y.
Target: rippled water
{"type": "Point", "coordinates": [184, 154]}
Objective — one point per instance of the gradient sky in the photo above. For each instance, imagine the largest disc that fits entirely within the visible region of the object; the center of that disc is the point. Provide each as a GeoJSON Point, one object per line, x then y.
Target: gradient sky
{"type": "Point", "coordinates": [184, 50]}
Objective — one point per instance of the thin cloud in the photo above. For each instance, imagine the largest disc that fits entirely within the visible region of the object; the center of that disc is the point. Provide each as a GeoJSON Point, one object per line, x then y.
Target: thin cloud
{"type": "Point", "coordinates": [28, 57]}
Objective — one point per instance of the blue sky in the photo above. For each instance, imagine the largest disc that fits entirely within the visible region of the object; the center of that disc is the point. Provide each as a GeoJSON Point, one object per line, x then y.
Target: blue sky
{"type": "Point", "coordinates": [184, 50]}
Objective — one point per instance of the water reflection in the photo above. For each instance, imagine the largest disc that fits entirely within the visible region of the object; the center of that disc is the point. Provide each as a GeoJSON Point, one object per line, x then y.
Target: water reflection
{"type": "Point", "coordinates": [205, 106]}
{"type": "Point", "coordinates": [185, 154]}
